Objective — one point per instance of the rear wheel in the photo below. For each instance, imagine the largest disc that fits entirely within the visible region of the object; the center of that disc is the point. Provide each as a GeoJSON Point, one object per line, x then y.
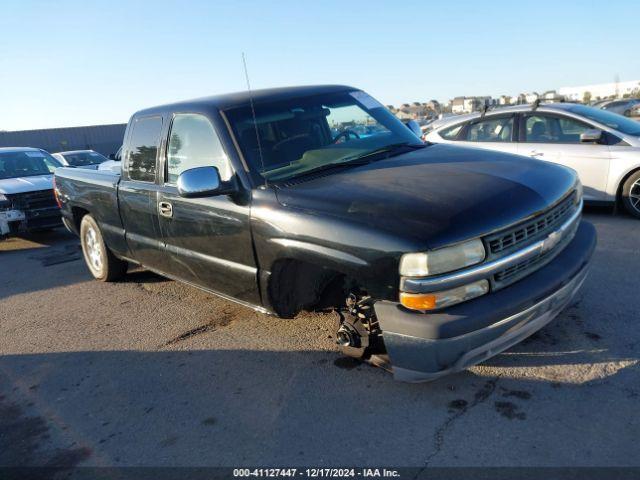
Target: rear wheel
{"type": "Point", "coordinates": [103, 264]}
{"type": "Point", "coordinates": [631, 194]}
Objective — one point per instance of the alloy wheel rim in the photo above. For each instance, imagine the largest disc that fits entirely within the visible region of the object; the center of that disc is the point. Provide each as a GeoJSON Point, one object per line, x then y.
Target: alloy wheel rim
{"type": "Point", "coordinates": [634, 195]}
{"type": "Point", "coordinates": [94, 253]}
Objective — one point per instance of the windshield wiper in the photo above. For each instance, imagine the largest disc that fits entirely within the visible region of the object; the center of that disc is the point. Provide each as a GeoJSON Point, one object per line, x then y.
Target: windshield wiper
{"type": "Point", "coordinates": [358, 160]}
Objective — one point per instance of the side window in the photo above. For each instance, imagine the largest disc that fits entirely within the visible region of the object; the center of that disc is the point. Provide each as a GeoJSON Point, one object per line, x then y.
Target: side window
{"type": "Point", "coordinates": [553, 129]}
{"type": "Point", "coordinates": [143, 149]}
{"type": "Point", "coordinates": [193, 142]}
{"type": "Point", "coordinates": [451, 133]}
{"type": "Point", "coordinates": [490, 130]}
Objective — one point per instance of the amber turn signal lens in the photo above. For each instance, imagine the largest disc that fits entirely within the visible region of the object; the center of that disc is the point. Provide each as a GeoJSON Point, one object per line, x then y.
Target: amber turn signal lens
{"type": "Point", "coordinates": [418, 301]}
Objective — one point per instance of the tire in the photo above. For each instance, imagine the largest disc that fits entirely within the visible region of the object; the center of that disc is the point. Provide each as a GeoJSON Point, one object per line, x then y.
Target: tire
{"type": "Point", "coordinates": [102, 263]}
{"type": "Point", "coordinates": [631, 194]}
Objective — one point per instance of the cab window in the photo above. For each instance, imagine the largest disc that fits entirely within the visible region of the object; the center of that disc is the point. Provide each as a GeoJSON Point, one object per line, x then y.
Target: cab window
{"type": "Point", "coordinates": [193, 143]}
{"type": "Point", "coordinates": [492, 129]}
{"type": "Point", "coordinates": [553, 129]}
{"type": "Point", "coordinates": [143, 149]}
{"type": "Point", "coordinates": [451, 133]}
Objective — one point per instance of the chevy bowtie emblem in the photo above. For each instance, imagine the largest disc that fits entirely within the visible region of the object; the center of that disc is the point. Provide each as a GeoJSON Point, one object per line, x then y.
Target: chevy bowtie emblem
{"type": "Point", "coordinates": [551, 241]}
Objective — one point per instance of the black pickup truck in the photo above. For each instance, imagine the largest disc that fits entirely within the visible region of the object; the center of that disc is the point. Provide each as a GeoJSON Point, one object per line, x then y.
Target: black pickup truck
{"type": "Point", "coordinates": [435, 257]}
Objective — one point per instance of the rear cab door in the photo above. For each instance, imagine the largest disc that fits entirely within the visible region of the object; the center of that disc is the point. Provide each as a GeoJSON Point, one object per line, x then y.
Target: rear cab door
{"type": "Point", "coordinates": [555, 138]}
{"type": "Point", "coordinates": [138, 188]}
{"type": "Point", "coordinates": [207, 239]}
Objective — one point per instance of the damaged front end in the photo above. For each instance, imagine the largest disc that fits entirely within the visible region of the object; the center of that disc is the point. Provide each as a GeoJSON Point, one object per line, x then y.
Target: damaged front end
{"type": "Point", "coordinates": [28, 212]}
{"type": "Point", "coordinates": [530, 284]}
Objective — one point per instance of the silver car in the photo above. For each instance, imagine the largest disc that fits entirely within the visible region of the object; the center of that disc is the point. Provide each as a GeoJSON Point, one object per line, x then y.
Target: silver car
{"type": "Point", "coordinates": [623, 107]}
{"type": "Point", "coordinates": [603, 147]}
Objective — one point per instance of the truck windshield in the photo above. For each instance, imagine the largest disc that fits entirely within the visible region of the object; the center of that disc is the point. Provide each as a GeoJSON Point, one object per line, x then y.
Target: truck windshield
{"type": "Point", "coordinates": [291, 137]}
{"type": "Point", "coordinates": [26, 164]}
{"type": "Point", "coordinates": [82, 159]}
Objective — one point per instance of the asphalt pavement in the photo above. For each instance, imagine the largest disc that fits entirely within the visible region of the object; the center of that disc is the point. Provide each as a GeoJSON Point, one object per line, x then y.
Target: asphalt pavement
{"type": "Point", "coordinates": [152, 372]}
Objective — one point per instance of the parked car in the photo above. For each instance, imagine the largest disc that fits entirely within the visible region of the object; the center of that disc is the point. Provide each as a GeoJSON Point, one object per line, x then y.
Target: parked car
{"type": "Point", "coordinates": [603, 147]}
{"type": "Point", "coordinates": [27, 203]}
{"type": "Point", "coordinates": [80, 159]}
{"type": "Point", "coordinates": [437, 257]}
{"type": "Point", "coordinates": [113, 164]}
{"type": "Point", "coordinates": [623, 107]}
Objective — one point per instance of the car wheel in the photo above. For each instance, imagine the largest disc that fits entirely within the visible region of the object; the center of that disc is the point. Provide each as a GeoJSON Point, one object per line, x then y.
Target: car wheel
{"type": "Point", "coordinates": [631, 194]}
{"type": "Point", "coordinates": [102, 263]}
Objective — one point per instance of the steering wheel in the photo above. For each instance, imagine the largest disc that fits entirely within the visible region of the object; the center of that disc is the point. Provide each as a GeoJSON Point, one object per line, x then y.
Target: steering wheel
{"type": "Point", "coordinates": [346, 134]}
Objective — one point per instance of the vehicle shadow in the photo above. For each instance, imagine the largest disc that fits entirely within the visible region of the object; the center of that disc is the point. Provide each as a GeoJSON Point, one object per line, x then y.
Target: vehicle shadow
{"type": "Point", "coordinates": [249, 407]}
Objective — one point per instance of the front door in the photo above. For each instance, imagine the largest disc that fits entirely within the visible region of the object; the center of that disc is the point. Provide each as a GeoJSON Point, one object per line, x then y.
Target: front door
{"type": "Point", "coordinates": [207, 240]}
{"type": "Point", "coordinates": [556, 138]}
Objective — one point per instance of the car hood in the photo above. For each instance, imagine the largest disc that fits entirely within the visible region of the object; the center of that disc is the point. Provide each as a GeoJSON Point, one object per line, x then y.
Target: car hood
{"type": "Point", "coordinates": [10, 186]}
{"type": "Point", "coordinates": [435, 196]}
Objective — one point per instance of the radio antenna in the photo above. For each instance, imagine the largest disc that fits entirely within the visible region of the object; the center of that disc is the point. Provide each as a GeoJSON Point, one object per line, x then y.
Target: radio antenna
{"type": "Point", "coordinates": [253, 112]}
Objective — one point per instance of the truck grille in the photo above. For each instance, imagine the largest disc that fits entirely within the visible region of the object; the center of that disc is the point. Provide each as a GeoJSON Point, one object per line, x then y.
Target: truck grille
{"type": "Point", "coordinates": [40, 210]}
{"type": "Point", "coordinates": [519, 236]}
{"type": "Point", "coordinates": [33, 200]}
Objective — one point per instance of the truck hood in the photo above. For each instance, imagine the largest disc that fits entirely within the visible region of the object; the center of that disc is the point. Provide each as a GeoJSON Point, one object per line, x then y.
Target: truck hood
{"type": "Point", "coordinates": [435, 196]}
{"type": "Point", "coordinates": [10, 186]}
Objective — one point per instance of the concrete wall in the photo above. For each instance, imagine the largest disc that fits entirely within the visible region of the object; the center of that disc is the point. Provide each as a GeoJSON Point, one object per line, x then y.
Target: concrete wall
{"type": "Point", "coordinates": [105, 139]}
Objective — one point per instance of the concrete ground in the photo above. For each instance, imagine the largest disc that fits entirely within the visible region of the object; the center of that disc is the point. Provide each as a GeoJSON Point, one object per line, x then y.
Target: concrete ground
{"type": "Point", "coordinates": [152, 372]}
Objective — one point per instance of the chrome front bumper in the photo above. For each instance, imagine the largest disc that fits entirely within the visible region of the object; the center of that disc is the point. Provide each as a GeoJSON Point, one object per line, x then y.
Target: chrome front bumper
{"type": "Point", "coordinates": [425, 346]}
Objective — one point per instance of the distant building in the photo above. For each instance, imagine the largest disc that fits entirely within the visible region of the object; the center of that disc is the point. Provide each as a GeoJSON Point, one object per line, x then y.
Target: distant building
{"type": "Point", "coordinates": [531, 97]}
{"type": "Point", "coordinates": [551, 96]}
{"type": "Point", "coordinates": [469, 104]}
{"type": "Point", "coordinates": [600, 90]}
{"type": "Point", "coordinates": [104, 139]}
{"type": "Point", "coordinates": [504, 100]}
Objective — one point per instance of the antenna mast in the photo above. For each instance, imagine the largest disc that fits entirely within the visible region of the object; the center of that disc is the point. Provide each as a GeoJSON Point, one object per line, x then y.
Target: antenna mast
{"type": "Point", "coordinates": [253, 112]}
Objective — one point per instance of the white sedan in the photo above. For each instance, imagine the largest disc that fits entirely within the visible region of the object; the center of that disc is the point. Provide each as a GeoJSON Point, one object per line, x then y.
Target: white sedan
{"type": "Point", "coordinates": [603, 147]}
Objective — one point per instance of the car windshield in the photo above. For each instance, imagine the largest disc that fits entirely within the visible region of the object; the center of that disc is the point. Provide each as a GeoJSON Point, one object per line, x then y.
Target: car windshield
{"type": "Point", "coordinates": [610, 119]}
{"type": "Point", "coordinates": [292, 137]}
{"type": "Point", "coordinates": [26, 164]}
{"type": "Point", "coordinates": [82, 159]}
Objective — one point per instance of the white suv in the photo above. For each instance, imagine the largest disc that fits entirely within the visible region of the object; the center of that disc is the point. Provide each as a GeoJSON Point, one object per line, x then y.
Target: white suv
{"type": "Point", "coordinates": [603, 147]}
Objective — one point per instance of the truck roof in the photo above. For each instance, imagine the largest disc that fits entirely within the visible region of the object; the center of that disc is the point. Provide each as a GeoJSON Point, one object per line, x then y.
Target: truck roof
{"type": "Point", "coordinates": [237, 99]}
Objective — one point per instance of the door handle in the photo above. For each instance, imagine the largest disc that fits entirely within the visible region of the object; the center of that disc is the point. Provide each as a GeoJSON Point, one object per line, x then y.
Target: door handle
{"type": "Point", "coordinates": [165, 209]}
{"type": "Point", "coordinates": [535, 153]}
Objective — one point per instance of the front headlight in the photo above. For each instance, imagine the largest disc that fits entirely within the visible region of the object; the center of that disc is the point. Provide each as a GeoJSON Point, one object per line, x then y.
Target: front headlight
{"type": "Point", "coordinates": [446, 298]}
{"type": "Point", "coordinates": [579, 192]}
{"type": "Point", "coordinates": [3, 197]}
{"type": "Point", "coordinates": [442, 260]}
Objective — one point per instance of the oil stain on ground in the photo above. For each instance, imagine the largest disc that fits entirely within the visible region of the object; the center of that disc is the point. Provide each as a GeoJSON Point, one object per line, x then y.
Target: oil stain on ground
{"type": "Point", "coordinates": [348, 363]}
{"type": "Point", "coordinates": [509, 410]}
{"type": "Point", "coordinates": [212, 325]}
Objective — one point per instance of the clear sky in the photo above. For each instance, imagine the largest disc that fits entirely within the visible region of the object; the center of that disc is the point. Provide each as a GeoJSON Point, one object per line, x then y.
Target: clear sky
{"type": "Point", "coordinates": [73, 62]}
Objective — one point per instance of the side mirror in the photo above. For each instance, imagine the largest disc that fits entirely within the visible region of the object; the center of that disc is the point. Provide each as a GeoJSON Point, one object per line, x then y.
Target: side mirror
{"type": "Point", "coordinates": [200, 182]}
{"type": "Point", "coordinates": [112, 156]}
{"type": "Point", "coordinates": [592, 135]}
{"type": "Point", "coordinates": [414, 127]}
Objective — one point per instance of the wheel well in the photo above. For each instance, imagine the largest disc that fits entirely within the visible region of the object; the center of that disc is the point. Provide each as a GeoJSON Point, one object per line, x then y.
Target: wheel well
{"type": "Point", "coordinates": [622, 182]}
{"type": "Point", "coordinates": [295, 285]}
{"type": "Point", "coordinates": [78, 213]}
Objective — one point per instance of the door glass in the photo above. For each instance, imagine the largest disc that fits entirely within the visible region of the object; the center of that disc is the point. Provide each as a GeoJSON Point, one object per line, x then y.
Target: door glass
{"type": "Point", "coordinates": [194, 143]}
{"type": "Point", "coordinates": [553, 129]}
{"type": "Point", "coordinates": [490, 130]}
{"type": "Point", "coordinates": [143, 149]}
